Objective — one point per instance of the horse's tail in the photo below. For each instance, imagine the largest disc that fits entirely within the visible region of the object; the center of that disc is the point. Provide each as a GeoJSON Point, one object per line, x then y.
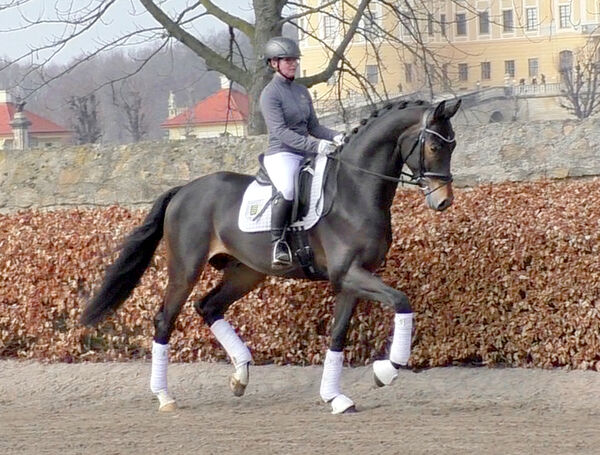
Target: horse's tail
{"type": "Point", "coordinates": [136, 253]}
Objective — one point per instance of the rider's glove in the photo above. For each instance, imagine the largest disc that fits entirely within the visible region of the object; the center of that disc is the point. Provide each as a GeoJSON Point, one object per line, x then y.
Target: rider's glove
{"type": "Point", "coordinates": [325, 147]}
{"type": "Point", "coordinates": [338, 139]}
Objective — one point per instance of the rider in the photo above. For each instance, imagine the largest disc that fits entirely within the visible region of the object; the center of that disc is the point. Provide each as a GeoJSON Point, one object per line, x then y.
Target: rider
{"type": "Point", "coordinates": [294, 132]}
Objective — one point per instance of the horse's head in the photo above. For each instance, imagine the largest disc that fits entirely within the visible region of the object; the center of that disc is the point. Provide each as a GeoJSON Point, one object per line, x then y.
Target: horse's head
{"type": "Point", "coordinates": [426, 148]}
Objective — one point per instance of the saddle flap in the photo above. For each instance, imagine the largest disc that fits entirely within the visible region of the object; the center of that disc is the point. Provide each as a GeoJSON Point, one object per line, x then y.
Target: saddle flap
{"type": "Point", "coordinates": [302, 189]}
{"type": "Point", "coordinates": [262, 176]}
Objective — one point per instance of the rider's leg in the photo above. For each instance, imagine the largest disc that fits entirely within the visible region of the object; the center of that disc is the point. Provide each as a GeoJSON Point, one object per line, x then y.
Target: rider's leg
{"type": "Point", "coordinates": [282, 168]}
{"type": "Point", "coordinates": [280, 215]}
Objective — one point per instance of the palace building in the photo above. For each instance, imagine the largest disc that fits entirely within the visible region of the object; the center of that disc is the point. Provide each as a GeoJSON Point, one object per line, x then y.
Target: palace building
{"type": "Point", "coordinates": [471, 44]}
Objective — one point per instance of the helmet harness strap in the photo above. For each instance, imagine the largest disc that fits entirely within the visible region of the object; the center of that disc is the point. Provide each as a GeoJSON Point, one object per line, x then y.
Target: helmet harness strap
{"type": "Point", "coordinates": [279, 71]}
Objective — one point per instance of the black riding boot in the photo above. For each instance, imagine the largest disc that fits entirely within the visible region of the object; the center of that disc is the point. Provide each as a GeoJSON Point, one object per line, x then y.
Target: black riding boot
{"type": "Point", "coordinates": [280, 216]}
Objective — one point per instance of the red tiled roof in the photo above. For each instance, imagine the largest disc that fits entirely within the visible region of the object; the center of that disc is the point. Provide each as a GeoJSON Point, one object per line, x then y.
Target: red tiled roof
{"type": "Point", "coordinates": [38, 124]}
{"type": "Point", "coordinates": [213, 109]}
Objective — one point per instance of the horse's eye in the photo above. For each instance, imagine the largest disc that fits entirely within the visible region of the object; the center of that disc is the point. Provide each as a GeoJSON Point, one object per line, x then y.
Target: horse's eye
{"type": "Point", "coordinates": [435, 146]}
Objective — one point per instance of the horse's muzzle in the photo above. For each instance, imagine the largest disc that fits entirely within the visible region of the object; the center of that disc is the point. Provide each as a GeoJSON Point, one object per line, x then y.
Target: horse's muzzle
{"type": "Point", "coordinates": [438, 194]}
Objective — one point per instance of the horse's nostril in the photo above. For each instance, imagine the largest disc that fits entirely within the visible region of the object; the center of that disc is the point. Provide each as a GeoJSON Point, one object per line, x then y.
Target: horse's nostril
{"type": "Point", "coordinates": [444, 204]}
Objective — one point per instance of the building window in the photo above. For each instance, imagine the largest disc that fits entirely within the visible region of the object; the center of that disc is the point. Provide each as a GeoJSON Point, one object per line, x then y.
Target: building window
{"type": "Point", "coordinates": [564, 14]}
{"type": "Point", "coordinates": [445, 79]}
{"type": "Point", "coordinates": [507, 20]}
{"type": "Point", "coordinates": [461, 24]}
{"type": "Point", "coordinates": [408, 72]}
{"type": "Point", "coordinates": [372, 74]}
{"type": "Point", "coordinates": [329, 27]}
{"type": "Point", "coordinates": [443, 24]}
{"type": "Point", "coordinates": [532, 19]}
{"type": "Point", "coordinates": [484, 22]}
{"type": "Point", "coordinates": [509, 68]}
{"type": "Point", "coordinates": [407, 23]}
{"type": "Point", "coordinates": [533, 67]}
{"type": "Point", "coordinates": [486, 71]}
{"type": "Point", "coordinates": [371, 22]}
{"type": "Point", "coordinates": [565, 61]}
{"type": "Point", "coordinates": [430, 24]}
{"type": "Point", "coordinates": [301, 28]}
{"type": "Point", "coordinates": [463, 72]}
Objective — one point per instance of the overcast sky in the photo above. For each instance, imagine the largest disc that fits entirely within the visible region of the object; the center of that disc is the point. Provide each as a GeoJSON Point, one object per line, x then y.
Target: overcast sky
{"type": "Point", "coordinates": [122, 17]}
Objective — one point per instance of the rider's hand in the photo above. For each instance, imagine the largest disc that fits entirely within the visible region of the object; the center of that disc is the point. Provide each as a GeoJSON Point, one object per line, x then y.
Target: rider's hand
{"type": "Point", "coordinates": [339, 139]}
{"type": "Point", "coordinates": [326, 147]}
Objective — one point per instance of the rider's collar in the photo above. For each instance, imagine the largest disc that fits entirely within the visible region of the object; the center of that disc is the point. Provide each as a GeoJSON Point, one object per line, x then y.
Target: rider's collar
{"type": "Point", "coordinates": [282, 78]}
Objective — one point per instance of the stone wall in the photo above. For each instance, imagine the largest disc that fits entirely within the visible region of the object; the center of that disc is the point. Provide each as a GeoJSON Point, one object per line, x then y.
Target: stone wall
{"type": "Point", "coordinates": [133, 175]}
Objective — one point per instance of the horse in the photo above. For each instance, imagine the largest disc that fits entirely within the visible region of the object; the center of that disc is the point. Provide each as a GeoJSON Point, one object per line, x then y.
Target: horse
{"type": "Point", "coordinates": [198, 222]}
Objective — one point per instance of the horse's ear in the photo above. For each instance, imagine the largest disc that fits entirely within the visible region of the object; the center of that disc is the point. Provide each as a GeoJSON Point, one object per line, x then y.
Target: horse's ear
{"type": "Point", "coordinates": [451, 110]}
{"type": "Point", "coordinates": [439, 111]}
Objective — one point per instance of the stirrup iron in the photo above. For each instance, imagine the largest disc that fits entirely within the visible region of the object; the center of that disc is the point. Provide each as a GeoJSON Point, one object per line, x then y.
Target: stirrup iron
{"type": "Point", "coordinates": [281, 248]}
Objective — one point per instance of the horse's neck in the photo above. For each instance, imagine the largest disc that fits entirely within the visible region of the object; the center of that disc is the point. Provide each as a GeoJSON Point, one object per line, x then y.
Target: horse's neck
{"type": "Point", "coordinates": [373, 150]}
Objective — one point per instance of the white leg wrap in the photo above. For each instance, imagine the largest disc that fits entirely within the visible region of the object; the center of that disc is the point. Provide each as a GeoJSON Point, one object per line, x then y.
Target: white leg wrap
{"type": "Point", "coordinates": [332, 372]}
{"type": "Point", "coordinates": [400, 349]}
{"type": "Point", "coordinates": [385, 372]}
{"type": "Point", "coordinates": [160, 362]}
{"type": "Point", "coordinates": [236, 349]}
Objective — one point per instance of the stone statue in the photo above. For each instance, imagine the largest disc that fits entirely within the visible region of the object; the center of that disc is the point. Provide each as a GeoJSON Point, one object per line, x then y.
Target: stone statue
{"type": "Point", "coordinates": [20, 104]}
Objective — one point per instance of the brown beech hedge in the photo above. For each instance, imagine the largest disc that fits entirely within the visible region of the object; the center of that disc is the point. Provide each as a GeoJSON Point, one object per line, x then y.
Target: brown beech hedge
{"type": "Point", "coordinates": [510, 275]}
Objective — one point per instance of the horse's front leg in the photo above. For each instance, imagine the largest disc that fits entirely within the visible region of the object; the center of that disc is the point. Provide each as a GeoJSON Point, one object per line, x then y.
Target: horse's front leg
{"type": "Point", "coordinates": [368, 286]}
{"type": "Point", "coordinates": [334, 359]}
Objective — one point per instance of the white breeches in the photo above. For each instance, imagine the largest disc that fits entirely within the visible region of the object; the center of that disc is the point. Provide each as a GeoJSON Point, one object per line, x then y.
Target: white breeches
{"type": "Point", "coordinates": [282, 169]}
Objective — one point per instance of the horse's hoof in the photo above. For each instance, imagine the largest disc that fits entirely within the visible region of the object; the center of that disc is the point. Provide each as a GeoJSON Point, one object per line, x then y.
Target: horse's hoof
{"type": "Point", "coordinates": [239, 380]}
{"type": "Point", "coordinates": [378, 383]}
{"type": "Point", "coordinates": [342, 405]}
{"type": "Point", "coordinates": [169, 407]}
{"type": "Point", "coordinates": [237, 387]}
{"type": "Point", "coordinates": [166, 402]}
{"type": "Point", "coordinates": [384, 373]}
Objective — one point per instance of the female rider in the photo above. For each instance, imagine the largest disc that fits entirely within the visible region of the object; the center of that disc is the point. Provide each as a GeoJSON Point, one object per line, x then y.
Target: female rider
{"type": "Point", "coordinates": [294, 132]}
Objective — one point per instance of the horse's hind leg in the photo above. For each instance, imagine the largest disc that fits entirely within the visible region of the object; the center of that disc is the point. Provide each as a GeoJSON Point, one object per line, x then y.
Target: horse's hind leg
{"type": "Point", "coordinates": [238, 279]}
{"type": "Point", "coordinates": [179, 287]}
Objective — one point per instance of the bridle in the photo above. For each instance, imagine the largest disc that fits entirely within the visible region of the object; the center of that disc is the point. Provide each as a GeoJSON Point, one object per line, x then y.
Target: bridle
{"type": "Point", "coordinates": [422, 174]}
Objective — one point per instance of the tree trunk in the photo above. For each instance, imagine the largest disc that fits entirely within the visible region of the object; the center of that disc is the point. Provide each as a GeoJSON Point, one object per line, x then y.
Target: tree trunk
{"type": "Point", "coordinates": [268, 24]}
{"type": "Point", "coordinates": [256, 122]}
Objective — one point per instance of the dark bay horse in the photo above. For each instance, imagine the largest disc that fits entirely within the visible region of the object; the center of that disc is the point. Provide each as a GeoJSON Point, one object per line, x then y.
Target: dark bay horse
{"type": "Point", "coordinates": [199, 224]}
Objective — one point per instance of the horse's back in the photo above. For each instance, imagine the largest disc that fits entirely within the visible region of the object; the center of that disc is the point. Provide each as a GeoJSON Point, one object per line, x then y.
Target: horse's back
{"type": "Point", "coordinates": [201, 212]}
{"type": "Point", "coordinates": [209, 192]}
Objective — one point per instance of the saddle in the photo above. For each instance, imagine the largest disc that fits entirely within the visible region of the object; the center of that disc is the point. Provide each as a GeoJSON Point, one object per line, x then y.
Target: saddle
{"type": "Point", "coordinates": [302, 185]}
{"type": "Point", "coordinates": [296, 236]}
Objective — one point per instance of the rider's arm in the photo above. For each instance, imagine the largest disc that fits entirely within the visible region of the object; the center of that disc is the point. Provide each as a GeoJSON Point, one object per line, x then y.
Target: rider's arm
{"type": "Point", "coordinates": [270, 105]}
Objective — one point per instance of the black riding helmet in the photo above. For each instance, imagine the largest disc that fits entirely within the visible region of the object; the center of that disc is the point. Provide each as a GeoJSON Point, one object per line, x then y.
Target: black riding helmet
{"type": "Point", "coordinates": [281, 47]}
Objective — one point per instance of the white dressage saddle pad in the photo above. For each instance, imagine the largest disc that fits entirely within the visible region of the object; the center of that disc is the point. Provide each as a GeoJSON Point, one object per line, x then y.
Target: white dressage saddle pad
{"type": "Point", "coordinates": [257, 197]}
